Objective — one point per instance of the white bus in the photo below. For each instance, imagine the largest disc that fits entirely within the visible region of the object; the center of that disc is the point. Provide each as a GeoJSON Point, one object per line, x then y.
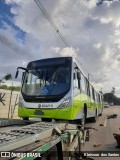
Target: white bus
{"type": "Point", "coordinates": [56, 88]}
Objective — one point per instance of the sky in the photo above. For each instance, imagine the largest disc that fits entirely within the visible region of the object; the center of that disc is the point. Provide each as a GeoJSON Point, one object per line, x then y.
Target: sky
{"type": "Point", "coordinates": [92, 31]}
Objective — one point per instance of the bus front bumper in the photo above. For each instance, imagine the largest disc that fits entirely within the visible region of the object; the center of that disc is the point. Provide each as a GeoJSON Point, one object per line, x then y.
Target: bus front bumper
{"type": "Point", "coordinates": [62, 113]}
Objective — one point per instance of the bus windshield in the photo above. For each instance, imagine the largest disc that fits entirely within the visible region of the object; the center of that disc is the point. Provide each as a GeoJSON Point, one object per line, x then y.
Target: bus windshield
{"type": "Point", "coordinates": [47, 80]}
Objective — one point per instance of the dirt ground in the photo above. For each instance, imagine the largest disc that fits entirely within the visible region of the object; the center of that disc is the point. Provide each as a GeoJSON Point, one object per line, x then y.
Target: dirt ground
{"type": "Point", "coordinates": [103, 137]}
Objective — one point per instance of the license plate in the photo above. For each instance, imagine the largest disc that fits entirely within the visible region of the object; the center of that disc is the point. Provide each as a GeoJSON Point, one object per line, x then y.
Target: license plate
{"type": "Point", "coordinates": [37, 112]}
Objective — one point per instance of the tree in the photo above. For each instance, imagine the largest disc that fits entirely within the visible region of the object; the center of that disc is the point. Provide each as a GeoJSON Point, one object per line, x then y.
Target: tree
{"type": "Point", "coordinates": [111, 98]}
{"type": "Point", "coordinates": [6, 78]}
{"type": "Point", "coordinates": [113, 90]}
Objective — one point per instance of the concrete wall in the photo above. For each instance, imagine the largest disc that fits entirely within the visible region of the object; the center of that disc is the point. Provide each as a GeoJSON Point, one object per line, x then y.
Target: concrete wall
{"type": "Point", "coordinates": [6, 100]}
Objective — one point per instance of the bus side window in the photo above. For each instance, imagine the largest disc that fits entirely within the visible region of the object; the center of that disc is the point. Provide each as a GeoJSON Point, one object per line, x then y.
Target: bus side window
{"type": "Point", "coordinates": [101, 98]}
{"type": "Point", "coordinates": [87, 87]}
{"type": "Point", "coordinates": [95, 96]}
{"type": "Point", "coordinates": [98, 98]}
{"type": "Point", "coordinates": [76, 77]}
{"type": "Point", "coordinates": [75, 80]}
{"type": "Point", "coordinates": [83, 83]}
{"type": "Point", "coordinates": [93, 93]}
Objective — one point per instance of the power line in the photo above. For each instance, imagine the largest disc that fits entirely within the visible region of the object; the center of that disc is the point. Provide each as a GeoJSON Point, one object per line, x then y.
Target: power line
{"type": "Point", "coordinates": [11, 45]}
{"type": "Point", "coordinates": [41, 7]}
{"type": "Point", "coordinates": [89, 74]}
{"type": "Point", "coordinates": [100, 79]}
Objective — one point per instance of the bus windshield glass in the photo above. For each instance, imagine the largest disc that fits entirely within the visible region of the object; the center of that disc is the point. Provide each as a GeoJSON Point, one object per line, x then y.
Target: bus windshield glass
{"type": "Point", "coordinates": [47, 80]}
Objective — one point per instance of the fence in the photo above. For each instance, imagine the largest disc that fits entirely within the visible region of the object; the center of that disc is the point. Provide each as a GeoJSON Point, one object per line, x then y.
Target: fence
{"type": "Point", "coordinates": [8, 103]}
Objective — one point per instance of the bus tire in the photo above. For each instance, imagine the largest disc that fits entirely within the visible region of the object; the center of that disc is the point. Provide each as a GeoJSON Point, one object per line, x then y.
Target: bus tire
{"type": "Point", "coordinates": [95, 117]}
{"type": "Point", "coordinates": [83, 119]}
{"type": "Point", "coordinates": [25, 118]}
{"type": "Point", "coordinates": [51, 154]}
{"type": "Point", "coordinates": [100, 114]}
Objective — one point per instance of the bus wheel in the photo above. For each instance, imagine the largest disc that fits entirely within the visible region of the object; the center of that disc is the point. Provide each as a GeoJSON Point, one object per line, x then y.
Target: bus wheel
{"type": "Point", "coordinates": [25, 118]}
{"type": "Point", "coordinates": [83, 119]}
{"type": "Point", "coordinates": [51, 154]}
{"type": "Point", "coordinates": [100, 113]}
{"type": "Point", "coordinates": [95, 118]}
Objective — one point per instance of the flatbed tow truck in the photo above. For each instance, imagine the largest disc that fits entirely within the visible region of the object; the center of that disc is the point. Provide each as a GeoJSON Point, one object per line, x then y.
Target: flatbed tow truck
{"type": "Point", "coordinates": [41, 140]}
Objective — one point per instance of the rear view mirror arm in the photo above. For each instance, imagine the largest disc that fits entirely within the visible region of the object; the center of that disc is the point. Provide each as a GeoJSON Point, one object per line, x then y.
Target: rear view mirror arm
{"type": "Point", "coordinates": [17, 72]}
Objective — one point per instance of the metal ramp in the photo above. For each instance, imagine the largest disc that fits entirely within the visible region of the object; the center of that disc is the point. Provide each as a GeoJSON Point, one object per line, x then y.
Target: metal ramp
{"type": "Point", "coordinates": [13, 139]}
{"type": "Point", "coordinates": [8, 122]}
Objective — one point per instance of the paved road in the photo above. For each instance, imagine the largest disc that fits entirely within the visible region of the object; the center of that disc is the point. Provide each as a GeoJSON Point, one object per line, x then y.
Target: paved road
{"type": "Point", "coordinates": [104, 135]}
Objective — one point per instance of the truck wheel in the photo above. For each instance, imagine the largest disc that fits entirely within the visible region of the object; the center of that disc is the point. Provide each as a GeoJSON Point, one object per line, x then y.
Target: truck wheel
{"type": "Point", "coordinates": [51, 154]}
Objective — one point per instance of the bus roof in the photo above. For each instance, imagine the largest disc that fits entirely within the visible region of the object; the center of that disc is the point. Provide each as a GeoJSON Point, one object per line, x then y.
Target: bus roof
{"type": "Point", "coordinates": [48, 61]}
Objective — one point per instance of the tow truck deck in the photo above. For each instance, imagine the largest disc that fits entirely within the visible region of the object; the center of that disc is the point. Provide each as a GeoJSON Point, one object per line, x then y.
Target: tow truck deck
{"type": "Point", "coordinates": [46, 138]}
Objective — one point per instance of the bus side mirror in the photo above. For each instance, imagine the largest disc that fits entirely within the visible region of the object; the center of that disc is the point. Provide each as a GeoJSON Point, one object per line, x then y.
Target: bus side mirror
{"type": "Point", "coordinates": [16, 75]}
{"type": "Point", "coordinates": [23, 76]}
{"type": "Point", "coordinates": [78, 75]}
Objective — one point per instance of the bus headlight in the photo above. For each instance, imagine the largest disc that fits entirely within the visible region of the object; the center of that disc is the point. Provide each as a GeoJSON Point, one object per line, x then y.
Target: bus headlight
{"type": "Point", "coordinates": [65, 103]}
{"type": "Point", "coordinates": [21, 104]}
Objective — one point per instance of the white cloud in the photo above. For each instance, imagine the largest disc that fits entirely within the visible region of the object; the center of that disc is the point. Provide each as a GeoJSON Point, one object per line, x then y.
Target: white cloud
{"type": "Point", "coordinates": [55, 49]}
{"type": "Point", "coordinates": [104, 20]}
{"type": "Point", "coordinates": [97, 45]}
{"type": "Point", "coordinates": [65, 51]}
{"type": "Point", "coordinates": [118, 57]}
{"type": "Point", "coordinates": [93, 29]}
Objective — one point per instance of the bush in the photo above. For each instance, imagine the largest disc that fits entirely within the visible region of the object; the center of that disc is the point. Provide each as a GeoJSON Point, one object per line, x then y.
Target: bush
{"type": "Point", "coordinates": [15, 88]}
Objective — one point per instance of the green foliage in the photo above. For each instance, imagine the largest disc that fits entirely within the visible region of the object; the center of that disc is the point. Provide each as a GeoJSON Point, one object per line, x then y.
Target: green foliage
{"type": "Point", "coordinates": [15, 88]}
{"type": "Point", "coordinates": [7, 77]}
{"type": "Point", "coordinates": [111, 98]}
{"type": "Point", "coordinates": [3, 87]}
